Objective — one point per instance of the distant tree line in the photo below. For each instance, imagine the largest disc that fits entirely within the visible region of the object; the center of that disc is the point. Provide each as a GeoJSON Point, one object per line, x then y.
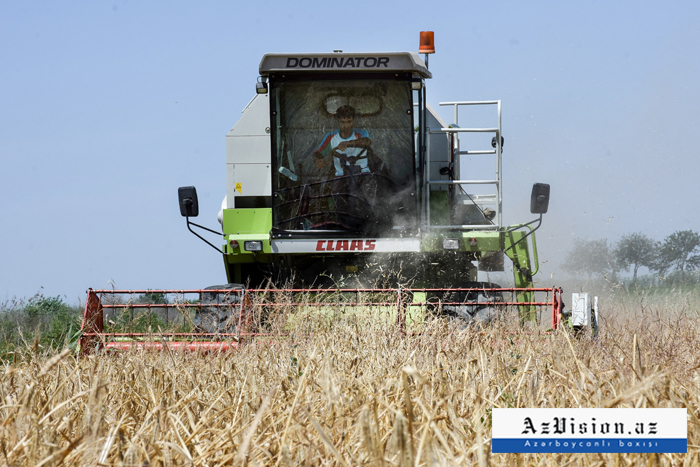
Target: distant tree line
{"type": "Point", "coordinates": [679, 252]}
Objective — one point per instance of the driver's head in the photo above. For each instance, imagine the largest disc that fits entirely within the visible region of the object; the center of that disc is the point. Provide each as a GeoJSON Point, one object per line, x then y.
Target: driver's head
{"type": "Point", "coordinates": [346, 118]}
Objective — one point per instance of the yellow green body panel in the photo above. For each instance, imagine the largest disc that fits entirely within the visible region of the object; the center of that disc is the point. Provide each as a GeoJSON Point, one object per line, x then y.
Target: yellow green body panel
{"type": "Point", "coordinates": [247, 224]}
{"type": "Point", "coordinates": [247, 221]}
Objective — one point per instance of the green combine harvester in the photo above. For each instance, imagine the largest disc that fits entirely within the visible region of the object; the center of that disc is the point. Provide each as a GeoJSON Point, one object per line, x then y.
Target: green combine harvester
{"type": "Point", "coordinates": [339, 175]}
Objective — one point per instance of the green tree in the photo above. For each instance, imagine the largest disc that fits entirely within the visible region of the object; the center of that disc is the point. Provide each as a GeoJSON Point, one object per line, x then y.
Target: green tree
{"type": "Point", "coordinates": [636, 250]}
{"type": "Point", "coordinates": [590, 257]}
{"type": "Point", "coordinates": [154, 298]}
{"type": "Point", "coordinates": [50, 318]}
{"type": "Point", "coordinates": [681, 251]}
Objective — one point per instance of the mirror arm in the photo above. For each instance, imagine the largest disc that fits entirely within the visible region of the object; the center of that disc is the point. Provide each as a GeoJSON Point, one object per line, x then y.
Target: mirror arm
{"type": "Point", "coordinates": [520, 226]}
{"type": "Point", "coordinates": [202, 227]}
{"type": "Point", "coordinates": [202, 238]}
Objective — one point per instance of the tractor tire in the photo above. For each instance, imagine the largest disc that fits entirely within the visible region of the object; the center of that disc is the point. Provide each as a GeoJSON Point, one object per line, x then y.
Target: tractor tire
{"type": "Point", "coordinates": [219, 319]}
{"type": "Point", "coordinates": [466, 315]}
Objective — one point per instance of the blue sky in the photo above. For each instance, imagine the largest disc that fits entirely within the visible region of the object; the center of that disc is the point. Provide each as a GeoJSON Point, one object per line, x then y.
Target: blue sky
{"type": "Point", "coordinates": [107, 107]}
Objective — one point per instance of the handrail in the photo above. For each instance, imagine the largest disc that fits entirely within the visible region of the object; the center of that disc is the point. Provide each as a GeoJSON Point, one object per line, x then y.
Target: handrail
{"type": "Point", "coordinates": [457, 152]}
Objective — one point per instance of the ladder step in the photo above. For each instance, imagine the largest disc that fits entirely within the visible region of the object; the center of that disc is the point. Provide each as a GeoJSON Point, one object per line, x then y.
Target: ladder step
{"type": "Point", "coordinates": [463, 182]}
{"type": "Point", "coordinates": [470, 103]}
{"type": "Point", "coordinates": [460, 153]}
{"type": "Point", "coordinates": [469, 227]}
{"type": "Point", "coordinates": [467, 130]}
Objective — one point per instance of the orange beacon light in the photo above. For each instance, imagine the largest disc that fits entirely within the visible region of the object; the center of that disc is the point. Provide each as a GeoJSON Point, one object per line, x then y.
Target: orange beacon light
{"type": "Point", "coordinates": [427, 42]}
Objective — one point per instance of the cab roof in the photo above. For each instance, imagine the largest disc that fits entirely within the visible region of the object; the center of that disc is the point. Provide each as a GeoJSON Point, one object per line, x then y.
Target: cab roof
{"type": "Point", "coordinates": [344, 63]}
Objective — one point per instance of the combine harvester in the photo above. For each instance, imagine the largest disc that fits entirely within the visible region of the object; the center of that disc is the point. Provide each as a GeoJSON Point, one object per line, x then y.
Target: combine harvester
{"type": "Point", "coordinates": [340, 177]}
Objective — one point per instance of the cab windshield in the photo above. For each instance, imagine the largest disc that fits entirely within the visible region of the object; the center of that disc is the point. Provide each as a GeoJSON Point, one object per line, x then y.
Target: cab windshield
{"type": "Point", "coordinates": [343, 156]}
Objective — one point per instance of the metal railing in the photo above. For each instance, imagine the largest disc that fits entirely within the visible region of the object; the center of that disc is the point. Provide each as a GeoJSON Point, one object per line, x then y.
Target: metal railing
{"type": "Point", "coordinates": [495, 198]}
{"type": "Point", "coordinates": [247, 311]}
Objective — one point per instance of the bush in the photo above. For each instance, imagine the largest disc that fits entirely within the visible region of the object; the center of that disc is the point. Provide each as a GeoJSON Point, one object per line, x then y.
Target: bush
{"type": "Point", "coordinates": [49, 320]}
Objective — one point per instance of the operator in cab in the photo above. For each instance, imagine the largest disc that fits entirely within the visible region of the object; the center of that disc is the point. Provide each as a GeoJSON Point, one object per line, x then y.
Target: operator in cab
{"type": "Point", "coordinates": [347, 146]}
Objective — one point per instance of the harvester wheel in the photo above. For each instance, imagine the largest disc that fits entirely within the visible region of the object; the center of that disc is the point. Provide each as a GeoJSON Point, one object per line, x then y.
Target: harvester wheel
{"type": "Point", "coordinates": [465, 315]}
{"type": "Point", "coordinates": [219, 310]}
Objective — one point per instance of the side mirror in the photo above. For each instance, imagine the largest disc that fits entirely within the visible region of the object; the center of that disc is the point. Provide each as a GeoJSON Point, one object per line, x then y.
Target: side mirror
{"type": "Point", "coordinates": [187, 196]}
{"type": "Point", "coordinates": [539, 200]}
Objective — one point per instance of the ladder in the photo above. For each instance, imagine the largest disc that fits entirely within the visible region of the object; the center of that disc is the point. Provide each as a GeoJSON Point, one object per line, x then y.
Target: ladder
{"type": "Point", "coordinates": [453, 133]}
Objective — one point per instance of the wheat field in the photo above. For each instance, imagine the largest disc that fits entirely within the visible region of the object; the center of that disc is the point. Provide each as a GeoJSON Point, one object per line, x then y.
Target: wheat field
{"type": "Point", "coordinates": [356, 392]}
